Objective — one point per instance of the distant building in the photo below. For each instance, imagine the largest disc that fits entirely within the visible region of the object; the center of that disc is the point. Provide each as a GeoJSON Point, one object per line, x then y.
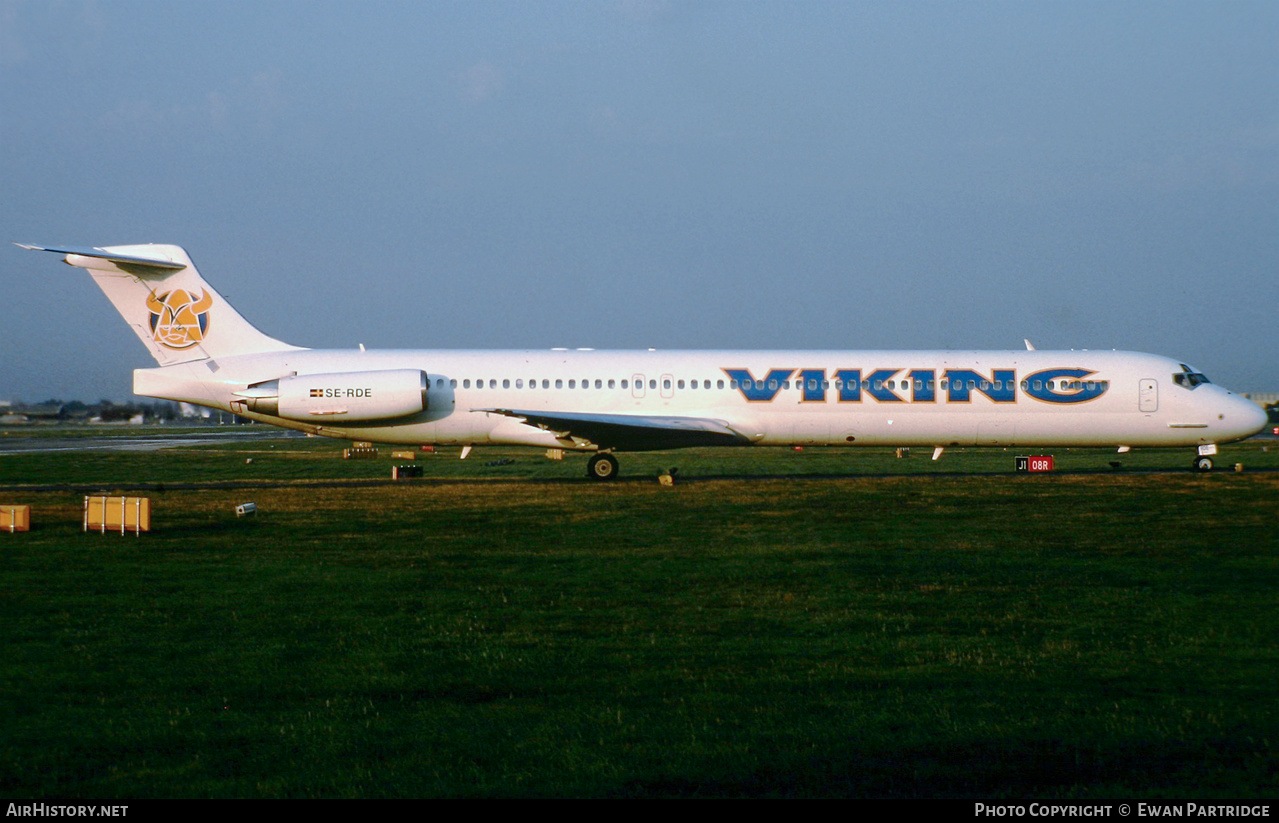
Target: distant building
{"type": "Point", "coordinates": [11, 414]}
{"type": "Point", "coordinates": [1261, 398]}
{"type": "Point", "coordinates": [7, 417]}
{"type": "Point", "coordinates": [188, 410]}
{"type": "Point", "coordinates": [45, 411]}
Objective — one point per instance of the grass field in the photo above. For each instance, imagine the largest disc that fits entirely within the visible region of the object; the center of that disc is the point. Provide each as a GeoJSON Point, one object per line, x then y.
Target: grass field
{"type": "Point", "coordinates": [824, 623]}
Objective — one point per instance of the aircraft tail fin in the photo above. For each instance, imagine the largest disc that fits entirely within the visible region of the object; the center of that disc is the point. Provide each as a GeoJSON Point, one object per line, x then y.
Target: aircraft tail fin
{"type": "Point", "coordinates": [174, 312]}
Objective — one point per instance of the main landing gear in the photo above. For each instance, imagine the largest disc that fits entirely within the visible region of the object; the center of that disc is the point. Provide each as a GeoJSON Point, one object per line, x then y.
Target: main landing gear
{"type": "Point", "coordinates": [602, 467]}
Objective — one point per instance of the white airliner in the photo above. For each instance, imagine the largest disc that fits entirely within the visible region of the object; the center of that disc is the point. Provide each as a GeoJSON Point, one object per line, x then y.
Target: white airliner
{"type": "Point", "coordinates": [604, 402]}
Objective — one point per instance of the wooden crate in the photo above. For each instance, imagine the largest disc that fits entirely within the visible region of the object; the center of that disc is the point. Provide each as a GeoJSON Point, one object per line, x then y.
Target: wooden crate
{"type": "Point", "coordinates": [127, 514]}
{"type": "Point", "coordinates": [15, 518]}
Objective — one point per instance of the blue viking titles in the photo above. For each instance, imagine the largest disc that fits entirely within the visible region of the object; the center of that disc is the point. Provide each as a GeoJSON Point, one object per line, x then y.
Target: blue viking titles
{"type": "Point", "coordinates": [902, 385]}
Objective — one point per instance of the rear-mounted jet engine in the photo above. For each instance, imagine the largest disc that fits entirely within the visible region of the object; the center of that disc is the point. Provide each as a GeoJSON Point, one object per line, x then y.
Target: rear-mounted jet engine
{"type": "Point", "coordinates": [345, 396]}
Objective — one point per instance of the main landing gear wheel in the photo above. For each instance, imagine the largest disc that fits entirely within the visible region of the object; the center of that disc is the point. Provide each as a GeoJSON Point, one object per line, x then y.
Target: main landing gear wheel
{"type": "Point", "coordinates": [602, 467]}
{"type": "Point", "coordinates": [1203, 464]}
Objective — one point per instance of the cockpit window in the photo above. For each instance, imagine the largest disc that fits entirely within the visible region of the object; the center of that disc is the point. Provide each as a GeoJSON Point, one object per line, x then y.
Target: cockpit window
{"type": "Point", "coordinates": [1188, 378]}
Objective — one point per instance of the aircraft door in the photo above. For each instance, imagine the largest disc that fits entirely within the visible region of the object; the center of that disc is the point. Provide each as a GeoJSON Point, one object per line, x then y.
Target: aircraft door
{"type": "Point", "coordinates": [1148, 396]}
{"type": "Point", "coordinates": [637, 385]}
{"type": "Point", "coordinates": [668, 386]}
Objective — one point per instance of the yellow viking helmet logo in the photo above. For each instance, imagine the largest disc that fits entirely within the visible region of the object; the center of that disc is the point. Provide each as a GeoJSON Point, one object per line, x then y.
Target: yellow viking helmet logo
{"type": "Point", "coordinates": [179, 319]}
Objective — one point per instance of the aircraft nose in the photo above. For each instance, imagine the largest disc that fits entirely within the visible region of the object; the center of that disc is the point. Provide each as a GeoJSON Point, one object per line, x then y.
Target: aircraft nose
{"type": "Point", "coordinates": [1248, 417]}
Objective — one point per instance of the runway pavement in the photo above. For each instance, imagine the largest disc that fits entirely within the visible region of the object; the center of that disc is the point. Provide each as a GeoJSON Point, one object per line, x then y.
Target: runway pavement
{"type": "Point", "coordinates": [14, 443]}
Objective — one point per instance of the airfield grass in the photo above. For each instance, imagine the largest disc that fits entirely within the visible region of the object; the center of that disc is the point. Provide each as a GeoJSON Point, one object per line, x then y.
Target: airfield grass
{"type": "Point", "coordinates": [782, 624]}
{"type": "Point", "coordinates": [303, 459]}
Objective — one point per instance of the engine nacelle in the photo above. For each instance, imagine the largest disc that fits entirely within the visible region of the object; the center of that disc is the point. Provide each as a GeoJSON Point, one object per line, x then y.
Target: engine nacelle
{"type": "Point", "coordinates": [345, 396]}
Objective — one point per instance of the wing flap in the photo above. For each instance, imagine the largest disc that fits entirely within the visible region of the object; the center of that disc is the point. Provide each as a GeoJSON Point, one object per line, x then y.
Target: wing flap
{"type": "Point", "coordinates": [630, 432]}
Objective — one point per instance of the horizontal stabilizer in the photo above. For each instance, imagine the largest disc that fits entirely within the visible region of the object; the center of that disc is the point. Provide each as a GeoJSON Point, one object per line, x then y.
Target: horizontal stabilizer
{"type": "Point", "coordinates": [109, 255]}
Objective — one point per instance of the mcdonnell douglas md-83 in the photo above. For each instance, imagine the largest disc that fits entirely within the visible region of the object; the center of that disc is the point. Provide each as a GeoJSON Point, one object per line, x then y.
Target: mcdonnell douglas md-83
{"type": "Point", "coordinates": [604, 402]}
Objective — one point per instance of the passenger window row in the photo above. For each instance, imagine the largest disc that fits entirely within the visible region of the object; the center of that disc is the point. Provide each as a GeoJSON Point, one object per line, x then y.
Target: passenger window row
{"type": "Point", "coordinates": [837, 384]}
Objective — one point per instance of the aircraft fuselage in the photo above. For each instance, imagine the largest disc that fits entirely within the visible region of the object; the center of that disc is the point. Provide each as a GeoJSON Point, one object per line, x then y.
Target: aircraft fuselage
{"type": "Point", "coordinates": [843, 398]}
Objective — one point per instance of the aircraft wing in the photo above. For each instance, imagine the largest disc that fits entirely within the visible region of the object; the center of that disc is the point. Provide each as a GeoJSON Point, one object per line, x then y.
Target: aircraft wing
{"type": "Point", "coordinates": [630, 432]}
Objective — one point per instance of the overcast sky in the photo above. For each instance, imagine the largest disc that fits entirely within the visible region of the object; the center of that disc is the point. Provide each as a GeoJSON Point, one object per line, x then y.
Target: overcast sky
{"type": "Point", "coordinates": [647, 173]}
